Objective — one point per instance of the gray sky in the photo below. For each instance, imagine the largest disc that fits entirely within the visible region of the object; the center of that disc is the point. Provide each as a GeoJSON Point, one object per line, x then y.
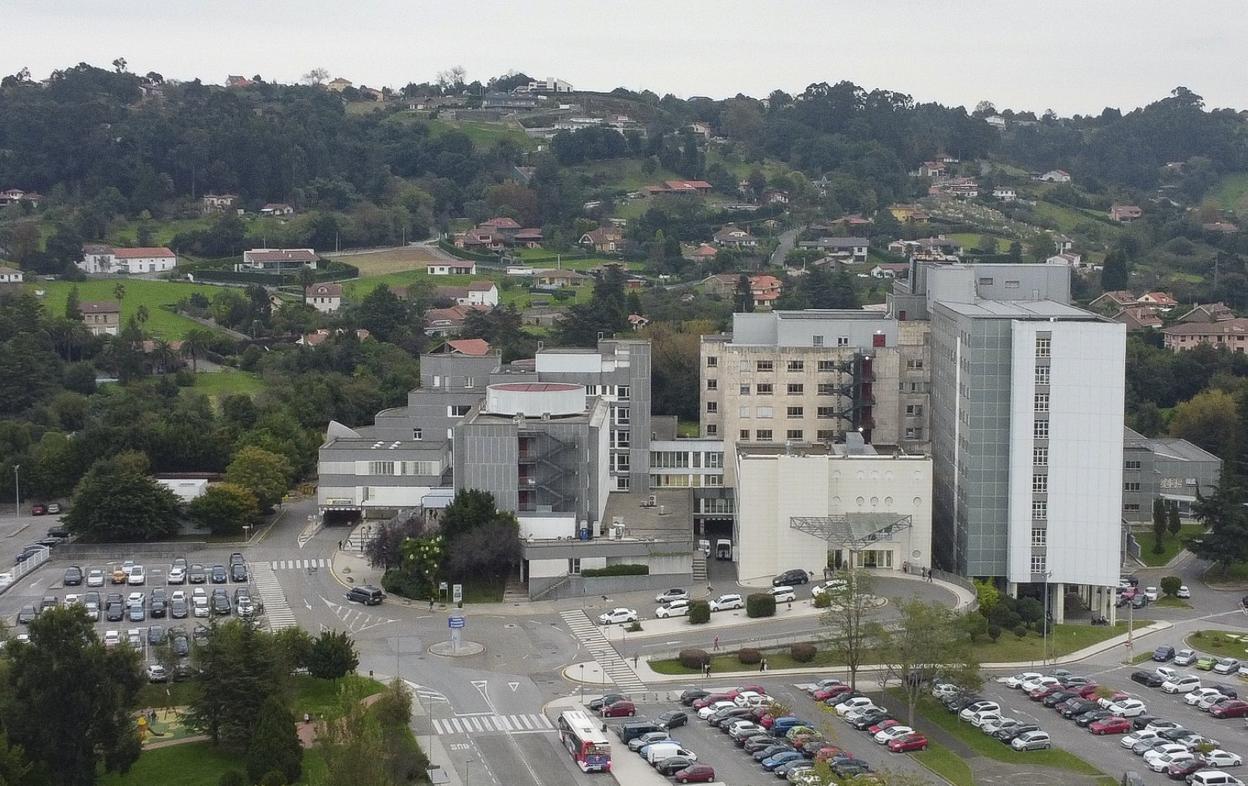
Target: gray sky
{"type": "Point", "coordinates": [1075, 56]}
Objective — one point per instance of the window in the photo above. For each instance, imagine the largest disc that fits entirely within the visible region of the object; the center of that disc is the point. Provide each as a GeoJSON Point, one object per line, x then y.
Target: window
{"type": "Point", "coordinates": [1132, 465]}
{"type": "Point", "coordinates": [1039, 536]}
{"type": "Point", "coordinates": [743, 412]}
{"type": "Point", "coordinates": [764, 365]}
{"type": "Point", "coordinates": [794, 433]}
{"type": "Point", "coordinates": [842, 341]}
{"type": "Point", "coordinates": [622, 392]}
{"type": "Point", "coordinates": [1131, 485]}
{"type": "Point", "coordinates": [763, 435]}
{"type": "Point", "coordinates": [985, 282]}
{"type": "Point", "coordinates": [744, 390]}
{"type": "Point", "coordinates": [1011, 284]}
{"type": "Point", "coordinates": [458, 410]}
{"type": "Point", "coordinates": [1039, 509]}
{"type": "Point", "coordinates": [816, 341]}
{"type": "Point", "coordinates": [470, 382]}
{"type": "Point", "coordinates": [622, 483]}
{"type": "Point", "coordinates": [1040, 457]}
{"type": "Point", "coordinates": [796, 365]}
{"type": "Point", "coordinates": [712, 384]}
{"type": "Point", "coordinates": [914, 365]}
{"type": "Point", "coordinates": [1041, 430]}
{"type": "Point", "coordinates": [793, 412]}
{"type": "Point", "coordinates": [1042, 402]}
{"type": "Point", "coordinates": [1131, 507]}
{"type": "Point", "coordinates": [1042, 375]}
{"type": "Point", "coordinates": [825, 435]}
{"type": "Point", "coordinates": [764, 412]}
{"type": "Point", "coordinates": [574, 566]}
{"type": "Point", "coordinates": [621, 439]}
{"type": "Point", "coordinates": [1044, 346]}
{"type": "Point", "coordinates": [914, 410]}
{"type": "Point", "coordinates": [914, 433]}
{"type": "Point", "coordinates": [712, 361]}
{"type": "Point", "coordinates": [712, 429]}
{"type": "Point", "coordinates": [796, 390]}
{"type": "Point", "coordinates": [827, 365]}
{"type": "Point", "coordinates": [622, 415]}
{"type": "Point", "coordinates": [1037, 564]}
{"type": "Point", "coordinates": [827, 389]}
{"type": "Point", "coordinates": [763, 389]}
{"type": "Point", "coordinates": [713, 480]}
{"type": "Point", "coordinates": [825, 412]}
{"type": "Point", "coordinates": [1039, 483]}
{"type": "Point", "coordinates": [712, 407]}
{"type": "Point", "coordinates": [418, 434]}
{"type": "Point", "coordinates": [714, 460]}
{"type": "Point", "coordinates": [619, 462]}
{"type": "Point", "coordinates": [381, 467]}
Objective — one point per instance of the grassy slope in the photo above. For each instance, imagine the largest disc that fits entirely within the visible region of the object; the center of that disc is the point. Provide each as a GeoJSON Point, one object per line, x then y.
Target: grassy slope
{"type": "Point", "coordinates": [1219, 643]}
{"type": "Point", "coordinates": [1232, 193]}
{"type": "Point", "coordinates": [1171, 545]}
{"type": "Point", "coordinates": [481, 133]}
{"type": "Point", "coordinates": [225, 383]}
{"type": "Point", "coordinates": [1067, 218]}
{"type": "Point", "coordinates": [153, 294]}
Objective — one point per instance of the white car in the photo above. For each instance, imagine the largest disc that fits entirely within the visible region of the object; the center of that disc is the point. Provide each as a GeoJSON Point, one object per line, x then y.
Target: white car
{"type": "Point", "coordinates": [783, 594]}
{"type": "Point", "coordinates": [1226, 666]}
{"type": "Point", "coordinates": [1181, 684]}
{"type": "Point", "coordinates": [1221, 758]}
{"type": "Point", "coordinates": [1200, 693]}
{"type": "Point", "coordinates": [93, 611]}
{"type": "Point", "coordinates": [980, 706]}
{"type": "Point", "coordinates": [1206, 704]}
{"type": "Point", "coordinates": [137, 576]}
{"type": "Point", "coordinates": [892, 733]}
{"type": "Point", "coordinates": [677, 608]}
{"type": "Point", "coordinates": [727, 602]}
{"type": "Point", "coordinates": [1039, 682]}
{"type": "Point", "coordinates": [980, 718]}
{"type": "Point", "coordinates": [834, 584]}
{"type": "Point", "coordinates": [711, 709]}
{"type": "Point", "coordinates": [616, 616]}
{"type": "Point", "coordinates": [1162, 761]}
{"type": "Point", "coordinates": [200, 607]}
{"type": "Point", "coordinates": [177, 575]}
{"type": "Point", "coordinates": [1150, 593]}
{"type": "Point", "coordinates": [1128, 708]}
{"type": "Point", "coordinates": [1161, 724]}
{"type": "Point", "coordinates": [856, 703]}
{"type": "Point", "coordinates": [855, 714]}
{"type": "Point", "coordinates": [1018, 679]}
{"type": "Point", "coordinates": [1168, 749]}
{"type": "Point", "coordinates": [95, 577]}
{"type": "Point", "coordinates": [943, 690]}
{"type": "Point", "coordinates": [1140, 736]}
{"type": "Point", "coordinates": [1183, 592]}
{"type": "Point", "coordinates": [747, 698]}
{"type": "Point", "coordinates": [667, 596]}
{"type": "Point", "coordinates": [1184, 657]}
{"type": "Point", "coordinates": [111, 638]}
{"type": "Point", "coordinates": [178, 594]}
{"type": "Point", "coordinates": [157, 673]}
{"type": "Point", "coordinates": [134, 599]}
{"type": "Point", "coordinates": [134, 638]}
{"type": "Point", "coordinates": [991, 727]}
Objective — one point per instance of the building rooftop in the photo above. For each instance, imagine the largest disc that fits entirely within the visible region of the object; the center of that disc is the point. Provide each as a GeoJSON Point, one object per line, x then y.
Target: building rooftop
{"type": "Point", "coordinates": [1019, 309]}
{"type": "Point", "coordinates": [1168, 447]}
{"type": "Point", "coordinates": [827, 313]}
{"type": "Point", "coordinates": [667, 519]}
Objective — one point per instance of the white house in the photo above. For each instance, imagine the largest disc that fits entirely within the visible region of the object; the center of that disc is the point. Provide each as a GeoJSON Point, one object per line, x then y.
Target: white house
{"type": "Point", "coordinates": [277, 259]}
{"type": "Point", "coordinates": [1004, 193]}
{"type": "Point", "coordinates": [456, 268]}
{"type": "Point", "coordinates": [99, 259]}
{"type": "Point", "coordinates": [1068, 258]}
{"type": "Point", "coordinates": [482, 293]}
{"type": "Point", "coordinates": [325, 298]}
{"type": "Point", "coordinates": [1056, 176]}
{"type": "Point", "coordinates": [277, 209]}
{"type": "Point", "coordinates": [10, 275]}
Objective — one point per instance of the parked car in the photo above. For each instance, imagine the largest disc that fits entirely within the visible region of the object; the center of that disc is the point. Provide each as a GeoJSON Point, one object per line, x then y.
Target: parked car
{"type": "Point", "coordinates": [826, 586]}
{"type": "Point", "coordinates": [1184, 657]}
{"type": "Point", "coordinates": [137, 576]}
{"type": "Point", "coordinates": [637, 743]}
{"type": "Point", "coordinates": [1195, 696]}
{"type": "Point", "coordinates": [72, 577]}
{"type": "Point", "coordinates": [617, 616]}
{"type": "Point", "coordinates": [1206, 662]}
{"type": "Point", "coordinates": [218, 575]}
{"type": "Point", "coordinates": [1032, 741]}
{"type": "Point", "coordinates": [1150, 593]}
{"type": "Point", "coordinates": [667, 596]}
{"type": "Point", "coordinates": [27, 614]}
{"type": "Point", "coordinates": [675, 608]}
{"type": "Point", "coordinates": [1220, 758]}
{"type": "Point", "coordinates": [696, 773]}
{"type": "Point", "coordinates": [118, 576]}
{"type": "Point", "coordinates": [673, 764]}
{"type": "Point", "coordinates": [1163, 653]}
{"type": "Point", "coordinates": [688, 697]}
{"type": "Point", "coordinates": [910, 742]}
{"type": "Point", "coordinates": [610, 698]}
{"type": "Point", "coordinates": [157, 673]}
{"type": "Point", "coordinates": [1181, 684]}
{"type": "Point", "coordinates": [1127, 708]}
{"type": "Point", "coordinates": [238, 572]}
{"type": "Point", "coordinates": [892, 733]}
{"type": "Point", "coordinates": [38, 509]}
{"type": "Point", "coordinates": [727, 602]}
{"type": "Point", "coordinates": [1184, 592]}
{"type": "Point", "coordinates": [783, 594]}
{"type": "Point", "coordinates": [1226, 666]}
{"type": "Point", "coordinates": [196, 574]}
{"type": "Point", "coordinates": [1017, 680]}
{"type": "Point", "coordinates": [791, 577]}
{"type": "Point", "coordinates": [95, 577]}
{"type": "Point", "coordinates": [1147, 678]}
{"type": "Point", "coordinates": [1233, 708]}
{"type": "Point", "coordinates": [1114, 724]}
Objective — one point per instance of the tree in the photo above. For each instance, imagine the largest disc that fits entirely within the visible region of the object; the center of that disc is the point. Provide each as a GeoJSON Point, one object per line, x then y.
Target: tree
{"type": "Point", "coordinates": [224, 509]}
{"type": "Point", "coordinates": [354, 745]}
{"type": "Point", "coordinates": [382, 313]}
{"type": "Point", "coordinates": [195, 344]}
{"type": "Point", "coordinates": [926, 643]}
{"type": "Point", "coordinates": [275, 744]}
{"type": "Point", "coordinates": [1211, 420]}
{"type": "Point", "coordinates": [117, 500]}
{"type": "Point", "coordinates": [238, 671]}
{"type": "Point", "coordinates": [1114, 273]}
{"type": "Point", "coordinates": [332, 655]}
{"type": "Point", "coordinates": [481, 541]}
{"type": "Point", "coordinates": [1170, 585]}
{"type": "Point", "coordinates": [1159, 525]}
{"type": "Point", "coordinates": [261, 472]}
{"type": "Point", "coordinates": [849, 631]}
{"type": "Point", "coordinates": [1175, 525]}
{"type": "Point", "coordinates": [743, 296]}
{"type": "Point", "coordinates": [82, 695]}
{"type": "Point", "coordinates": [73, 308]}
{"type": "Point", "coordinates": [316, 76]}
{"type": "Point", "coordinates": [1223, 514]}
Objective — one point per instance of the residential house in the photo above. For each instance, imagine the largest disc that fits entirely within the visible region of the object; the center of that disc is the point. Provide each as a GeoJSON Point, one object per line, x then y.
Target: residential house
{"type": "Point", "coordinates": [1229, 333]}
{"type": "Point", "coordinates": [1004, 193]}
{"type": "Point", "coordinates": [774, 196]}
{"type": "Point", "coordinates": [338, 85]}
{"type": "Point", "coordinates": [908, 214]}
{"type": "Point", "coordinates": [497, 234]}
{"type": "Point", "coordinates": [558, 279]}
{"type": "Point", "coordinates": [961, 187]}
{"type": "Point", "coordinates": [764, 289]}
{"type": "Point", "coordinates": [511, 102]}
{"type": "Point", "coordinates": [448, 321]}
{"type": "Point", "coordinates": [10, 275]}
{"type": "Point", "coordinates": [322, 335]}
{"type": "Point", "coordinates": [1125, 214]}
{"type": "Point", "coordinates": [529, 237]}
{"type": "Point", "coordinates": [853, 249]}
{"type": "Point", "coordinates": [102, 318]}
{"type": "Point", "coordinates": [1113, 301]}
{"type": "Point", "coordinates": [161, 360]}
{"type": "Point", "coordinates": [277, 209]}
{"type": "Point", "coordinates": [1068, 258]}
{"type": "Point", "coordinates": [325, 298]}
{"type": "Point", "coordinates": [472, 347]}
{"type": "Point", "coordinates": [637, 321]}
{"type": "Point", "coordinates": [702, 253]}
{"type": "Point", "coordinates": [218, 203]}
{"type": "Point", "coordinates": [1055, 176]}
{"type": "Point", "coordinates": [100, 259]}
{"type": "Point", "coordinates": [277, 260]}
{"type": "Point", "coordinates": [1062, 243]}
{"type": "Point", "coordinates": [938, 248]}
{"type": "Point", "coordinates": [12, 196]}
{"type": "Point", "coordinates": [891, 270]}
{"type": "Point", "coordinates": [604, 240]}
{"type": "Point", "coordinates": [703, 130]}
{"type": "Point", "coordinates": [482, 293]}
{"type": "Point", "coordinates": [722, 285]}
{"type": "Point", "coordinates": [1138, 318]}
{"type": "Point", "coordinates": [853, 221]}
{"type": "Point", "coordinates": [1208, 312]}
{"type": "Point", "coordinates": [933, 169]}
{"type": "Point", "coordinates": [697, 187]}
{"type": "Point", "coordinates": [547, 85]}
{"type": "Point", "coordinates": [733, 236]}
{"type": "Point", "coordinates": [1157, 301]}
{"type": "Point", "coordinates": [996, 121]}
{"type": "Point", "coordinates": [237, 82]}
{"type": "Point", "coordinates": [1225, 227]}
{"type": "Point", "coordinates": [451, 268]}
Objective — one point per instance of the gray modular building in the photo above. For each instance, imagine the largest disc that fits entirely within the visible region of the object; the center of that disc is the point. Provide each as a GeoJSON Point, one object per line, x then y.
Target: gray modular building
{"type": "Point", "coordinates": [1165, 467]}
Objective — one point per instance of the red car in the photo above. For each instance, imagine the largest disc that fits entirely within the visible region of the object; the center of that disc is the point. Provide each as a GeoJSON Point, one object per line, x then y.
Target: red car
{"type": "Point", "coordinates": [1111, 725]}
{"type": "Point", "coordinates": [38, 509]}
{"type": "Point", "coordinates": [887, 723]}
{"type": "Point", "coordinates": [910, 742]}
{"type": "Point", "coordinates": [833, 690]}
{"type": "Point", "coordinates": [827, 752]}
{"type": "Point", "coordinates": [1039, 693]}
{"type": "Point", "coordinates": [767, 721]}
{"type": "Point", "coordinates": [697, 773]}
{"type": "Point", "coordinates": [1087, 691]}
{"type": "Point", "coordinates": [752, 688]}
{"type": "Point", "coordinates": [620, 709]}
{"type": "Point", "coordinates": [1230, 709]}
{"type": "Point", "coordinates": [714, 697]}
{"type": "Point", "coordinates": [1180, 770]}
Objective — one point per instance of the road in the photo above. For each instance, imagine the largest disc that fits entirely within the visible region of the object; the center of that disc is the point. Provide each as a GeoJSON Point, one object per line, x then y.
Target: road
{"type": "Point", "coordinates": [788, 239]}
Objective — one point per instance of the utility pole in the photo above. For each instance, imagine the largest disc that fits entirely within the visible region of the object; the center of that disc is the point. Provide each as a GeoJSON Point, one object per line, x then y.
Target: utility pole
{"type": "Point", "coordinates": [17, 491]}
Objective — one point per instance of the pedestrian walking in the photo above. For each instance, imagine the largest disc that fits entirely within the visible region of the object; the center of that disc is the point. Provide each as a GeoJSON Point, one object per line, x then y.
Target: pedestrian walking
{"type": "Point", "coordinates": [431, 603]}
{"type": "Point", "coordinates": [715, 644]}
{"type": "Point", "coordinates": [929, 574]}
{"type": "Point", "coordinates": [762, 665]}
{"type": "Point", "coordinates": [634, 660]}
{"type": "Point", "coordinates": [340, 545]}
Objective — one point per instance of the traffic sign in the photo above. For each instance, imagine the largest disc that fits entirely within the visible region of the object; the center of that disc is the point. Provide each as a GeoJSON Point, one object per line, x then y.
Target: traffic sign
{"type": "Point", "coordinates": [441, 586]}
{"type": "Point", "coordinates": [457, 593]}
{"type": "Point", "coordinates": [455, 622]}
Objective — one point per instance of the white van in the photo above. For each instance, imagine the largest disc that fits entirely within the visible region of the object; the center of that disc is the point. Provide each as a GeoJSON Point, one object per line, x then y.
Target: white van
{"type": "Point", "coordinates": [666, 750]}
{"type": "Point", "coordinates": [1215, 778]}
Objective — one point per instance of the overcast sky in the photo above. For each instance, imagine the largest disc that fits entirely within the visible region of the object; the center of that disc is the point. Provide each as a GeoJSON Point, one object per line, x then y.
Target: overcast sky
{"type": "Point", "coordinates": [1074, 56]}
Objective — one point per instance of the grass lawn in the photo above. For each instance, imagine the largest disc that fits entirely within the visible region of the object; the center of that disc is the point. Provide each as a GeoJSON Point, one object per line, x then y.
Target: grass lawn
{"type": "Point", "coordinates": [946, 764]}
{"type": "Point", "coordinates": [1167, 602]}
{"type": "Point", "coordinates": [971, 240]}
{"type": "Point", "coordinates": [1232, 193]}
{"type": "Point", "coordinates": [395, 260]}
{"type": "Point", "coordinates": [687, 428]}
{"type": "Point", "coordinates": [481, 133]}
{"type": "Point", "coordinates": [139, 292]}
{"type": "Point", "coordinates": [1171, 544]}
{"type": "Point", "coordinates": [225, 383]}
{"type": "Point", "coordinates": [484, 591]}
{"type": "Point", "coordinates": [1219, 643]}
{"type": "Point", "coordinates": [1235, 575]}
{"type": "Point", "coordinates": [198, 764]}
{"type": "Point", "coordinates": [315, 696]}
{"type": "Point", "coordinates": [1063, 639]}
{"type": "Point", "coordinates": [1067, 218]}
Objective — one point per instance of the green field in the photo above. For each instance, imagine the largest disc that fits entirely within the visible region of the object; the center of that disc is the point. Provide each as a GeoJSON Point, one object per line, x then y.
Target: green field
{"type": "Point", "coordinates": [517, 294]}
{"type": "Point", "coordinates": [1171, 544]}
{"type": "Point", "coordinates": [946, 764]}
{"type": "Point", "coordinates": [1223, 644]}
{"type": "Point", "coordinates": [139, 292]}
{"type": "Point", "coordinates": [481, 133]}
{"type": "Point", "coordinates": [1067, 218]}
{"type": "Point", "coordinates": [970, 241]}
{"type": "Point", "coordinates": [1232, 193]}
{"type": "Point", "coordinates": [227, 382]}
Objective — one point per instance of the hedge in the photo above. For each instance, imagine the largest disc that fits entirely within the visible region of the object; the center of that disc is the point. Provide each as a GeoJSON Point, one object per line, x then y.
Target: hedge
{"type": "Point", "coordinates": [803, 652]}
{"type": "Point", "coordinates": [335, 272]}
{"type": "Point", "coordinates": [401, 583]}
{"type": "Point", "coordinates": [622, 569]}
{"type": "Point", "coordinates": [693, 658]}
{"type": "Point", "coordinates": [760, 604]}
{"type": "Point", "coordinates": [823, 600]}
{"type": "Point", "coordinates": [749, 656]}
{"type": "Point", "coordinates": [699, 612]}
{"type": "Point", "coordinates": [472, 256]}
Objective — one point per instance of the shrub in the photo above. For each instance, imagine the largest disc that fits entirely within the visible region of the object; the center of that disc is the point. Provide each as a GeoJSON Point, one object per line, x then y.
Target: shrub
{"type": "Point", "coordinates": [622, 569]}
{"type": "Point", "coordinates": [803, 652]}
{"type": "Point", "coordinates": [634, 627]}
{"type": "Point", "coordinates": [699, 612]}
{"type": "Point", "coordinates": [994, 633]}
{"type": "Point", "coordinates": [273, 778]}
{"type": "Point", "coordinates": [401, 583]}
{"type": "Point", "coordinates": [274, 746]}
{"type": "Point", "coordinates": [332, 655]}
{"type": "Point", "coordinates": [749, 656]}
{"type": "Point", "coordinates": [1020, 631]}
{"type": "Point", "coordinates": [823, 601]}
{"type": "Point", "coordinates": [693, 658]}
{"type": "Point", "coordinates": [232, 778]}
{"type": "Point", "coordinates": [1170, 585]}
{"type": "Point", "coordinates": [760, 604]}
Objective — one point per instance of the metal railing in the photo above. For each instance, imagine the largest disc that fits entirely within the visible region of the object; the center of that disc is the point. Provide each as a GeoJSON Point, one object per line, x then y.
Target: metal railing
{"type": "Point", "coordinates": [9, 578]}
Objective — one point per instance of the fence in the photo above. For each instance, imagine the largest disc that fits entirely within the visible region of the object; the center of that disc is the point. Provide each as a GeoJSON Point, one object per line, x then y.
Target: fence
{"type": "Point", "coordinates": [106, 551]}
{"type": "Point", "coordinates": [9, 578]}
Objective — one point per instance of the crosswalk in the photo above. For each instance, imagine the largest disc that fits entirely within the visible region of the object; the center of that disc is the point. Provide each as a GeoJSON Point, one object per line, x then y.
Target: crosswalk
{"type": "Point", "coordinates": [589, 635]}
{"type": "Point", "coordinates": [296, 564]}
{"type": "Point", "coordinates": [276, 609]}
{"type": "Point", "coordinates": [528, 723]}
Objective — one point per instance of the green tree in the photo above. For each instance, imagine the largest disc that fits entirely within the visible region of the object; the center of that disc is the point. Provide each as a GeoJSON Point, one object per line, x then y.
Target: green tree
{"type": "Point", "coordinates": [117, 500]}
{"type": "Point", "coordinates": [1170, 585]}
{"type": "Point", "coordinates": [1159, 525]}
{"type": "Point", "coordinates": [1114, 274]}
{"type": "Point", "coordinates": [989, 595]}
{"type": "Point", "coordinates": [354, 746]}
{"type": "Point", "coordinates": [928, 642]}
{"type": "Point", "coordinates": [743, 296]}
{"type": "Point", "coordinates": [75, 699]}
{"type": "Point", "coordinates": [1211, 420]}
{"type": "Point", "coordinates": [73, 308]}
{"type": "Point", "coordinates": [849, 633]}
{"type": "Point", "coordinates": [382, 313]}
{"type": "Point", "coordinates": [238, 672]}
{"type": "Point", "coordinates": [1175, 525]}
{"type": "Point", "coordinates": [275, 743]}
{"type": "Point", "coordinates": [1223, 514]}
{"type": "Point", "coordinates": [332, 655]}
{"type": "Point", "coordinates": [224, 509]}
{"type": "Point", "coordinates": [293, 647]}
{"type": "Point", "coordinates": [262, 473]}
{"type": "Point", "coordinates": [195, 344]}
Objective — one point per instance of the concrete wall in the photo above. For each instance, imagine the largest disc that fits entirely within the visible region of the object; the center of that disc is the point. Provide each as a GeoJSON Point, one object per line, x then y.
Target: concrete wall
{"type": "Point", "coordinates": [580, 586]}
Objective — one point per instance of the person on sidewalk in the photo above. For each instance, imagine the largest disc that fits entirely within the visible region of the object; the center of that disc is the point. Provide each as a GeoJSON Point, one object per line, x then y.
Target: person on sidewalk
{"type": "Point", "coordinates": [634, 661]}
{"type": "Point", "coordinates": [715, 644]}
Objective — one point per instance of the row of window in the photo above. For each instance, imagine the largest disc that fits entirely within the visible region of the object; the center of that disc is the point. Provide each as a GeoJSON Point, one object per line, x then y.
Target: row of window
{"type": "Point", "coordinates": [618, 392]}
{"type": "Point", "coordinates": [681, 459]}
{"type": "Point", "coordinates": [685, 481]}
{"type": "Point", "coordinates": [1042, 375]}
{"type": "Point", "coordinates": [404, 468]}
{"type": "Point", "coordinates": [795, 366]}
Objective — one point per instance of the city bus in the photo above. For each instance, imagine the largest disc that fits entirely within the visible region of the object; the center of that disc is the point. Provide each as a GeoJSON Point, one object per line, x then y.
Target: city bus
{"type": "Point", "coordinates": [585, 740]}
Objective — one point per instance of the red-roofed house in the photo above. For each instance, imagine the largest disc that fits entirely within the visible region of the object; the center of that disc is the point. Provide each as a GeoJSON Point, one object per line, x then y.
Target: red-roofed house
{"type": "Point", "coordinates": [681, 187]}
{"type": "Point", "coordinates": [637, 321]}
{"type": "Point", "coordinates": [448, 321]}
{"type": "Point", "coordinates": [1137, 318]}
{"type": "Point", "coordinates": [98, 259]}
{"type": "Point", "coordinates": [1157, 301]}
{"type": "Point", "coordinates": [703, 253]}
{"type": "Point", "coordinates": [1125, 214]}
{"type": "Point", "coordinates": [1208, 312]}
{"type": "Point", "coordinates": [325, 298]}
{"type": "Point", "coordinates": [473, 347]}
{"type": "Point", "coordinates": [765, 289]}
{"type": "Point", "coordinates": [1113, 301]}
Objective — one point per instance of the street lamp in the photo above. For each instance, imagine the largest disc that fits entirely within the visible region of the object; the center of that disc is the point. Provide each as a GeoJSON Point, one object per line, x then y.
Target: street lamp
{"type": "Point", "coordinates": [1044, 647]}
{"type": "Point", "coordinates": [17, 491]}
{"type": "Point", "coordinates": [468, 771]}
{"type": "Point", "coordinates": [582, 667]}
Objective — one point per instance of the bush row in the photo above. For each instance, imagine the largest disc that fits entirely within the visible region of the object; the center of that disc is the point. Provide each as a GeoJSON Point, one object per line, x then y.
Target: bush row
{"type": "Point", "coordinates": [622, 569]}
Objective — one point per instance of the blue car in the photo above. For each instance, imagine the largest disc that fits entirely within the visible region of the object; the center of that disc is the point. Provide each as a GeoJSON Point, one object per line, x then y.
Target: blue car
{"type": "Point", "coordinates": [786, 722]}
{"type": "Point", "coordinates": [781, 758]}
